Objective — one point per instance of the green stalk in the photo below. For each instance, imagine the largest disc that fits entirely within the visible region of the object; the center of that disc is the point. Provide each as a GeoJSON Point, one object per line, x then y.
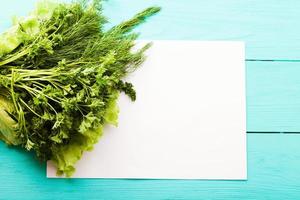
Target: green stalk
{"type": "Point", "coordinates": [27, 106]}
{"type": "Point", "coordinates": [15, 57]}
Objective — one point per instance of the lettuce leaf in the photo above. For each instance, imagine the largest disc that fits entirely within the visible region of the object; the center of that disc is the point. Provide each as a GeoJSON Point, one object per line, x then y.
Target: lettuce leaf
{"type": "Point", "coordinates": [26, 28]}
{"type": "Point", "coordinates": [7, 124]}
{"type": "Point", "coordinates": [66, 156]}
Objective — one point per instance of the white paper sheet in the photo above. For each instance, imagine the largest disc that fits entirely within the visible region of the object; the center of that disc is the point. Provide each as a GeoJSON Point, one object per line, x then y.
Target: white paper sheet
{"type": "Point", "coordinates": [188, 121]}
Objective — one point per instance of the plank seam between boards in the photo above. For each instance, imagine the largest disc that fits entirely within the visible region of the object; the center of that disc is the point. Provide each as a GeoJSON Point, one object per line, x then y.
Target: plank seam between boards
{"type": "Point", "coordinates": [272, 60]}
{"type": "Point", "coordinates": [272, 132]}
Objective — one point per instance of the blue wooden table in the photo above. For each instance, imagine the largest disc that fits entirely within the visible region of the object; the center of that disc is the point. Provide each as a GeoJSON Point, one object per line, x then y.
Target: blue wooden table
{"type": "Point", "coordinates": [271, 30]}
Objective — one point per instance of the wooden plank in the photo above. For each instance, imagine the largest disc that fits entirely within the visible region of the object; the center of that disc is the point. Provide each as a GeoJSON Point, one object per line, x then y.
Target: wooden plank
{"type": "Point", "coordinates": [270, 28]}
{"type": "Point", "coordinates": [273, 161]}
{"type": "Point", "coordinates": [273, 96]}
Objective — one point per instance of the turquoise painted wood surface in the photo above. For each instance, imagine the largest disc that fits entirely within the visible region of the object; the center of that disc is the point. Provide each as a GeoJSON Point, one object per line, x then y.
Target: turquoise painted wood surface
{"type": "Point", "coordinates": [271, 30]}
{"type": "Point", "coordinates": [273, 162]}
{"type": "Point", "coordinates": [273, 96]}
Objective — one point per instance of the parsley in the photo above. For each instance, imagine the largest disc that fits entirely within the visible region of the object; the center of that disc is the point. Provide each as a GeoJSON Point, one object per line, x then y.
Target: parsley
{"type": "Point", "coordinates": [60, 77]}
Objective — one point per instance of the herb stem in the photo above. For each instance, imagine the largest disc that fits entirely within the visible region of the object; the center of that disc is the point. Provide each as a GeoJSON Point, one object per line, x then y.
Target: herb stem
{"type": "Point", "coordinates": [15, 57]}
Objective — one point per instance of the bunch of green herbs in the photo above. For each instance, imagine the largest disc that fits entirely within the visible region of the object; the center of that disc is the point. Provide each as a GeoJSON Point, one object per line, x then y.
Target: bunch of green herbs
{"type": "Point", "coordinates": [60, 77]}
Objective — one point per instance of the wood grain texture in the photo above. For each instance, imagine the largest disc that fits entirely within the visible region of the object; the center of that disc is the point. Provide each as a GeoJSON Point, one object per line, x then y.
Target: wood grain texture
{"type": "Point", "coordinates": [270, 28]}
{"type": "Point", "coordinates": [273, 96]}
{"type": "Point", "coordinates": [273, 162]}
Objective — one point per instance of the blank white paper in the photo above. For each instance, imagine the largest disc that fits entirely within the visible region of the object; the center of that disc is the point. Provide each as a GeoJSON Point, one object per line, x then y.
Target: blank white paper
{"type": "Point", "coordinates": [188, 122]}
